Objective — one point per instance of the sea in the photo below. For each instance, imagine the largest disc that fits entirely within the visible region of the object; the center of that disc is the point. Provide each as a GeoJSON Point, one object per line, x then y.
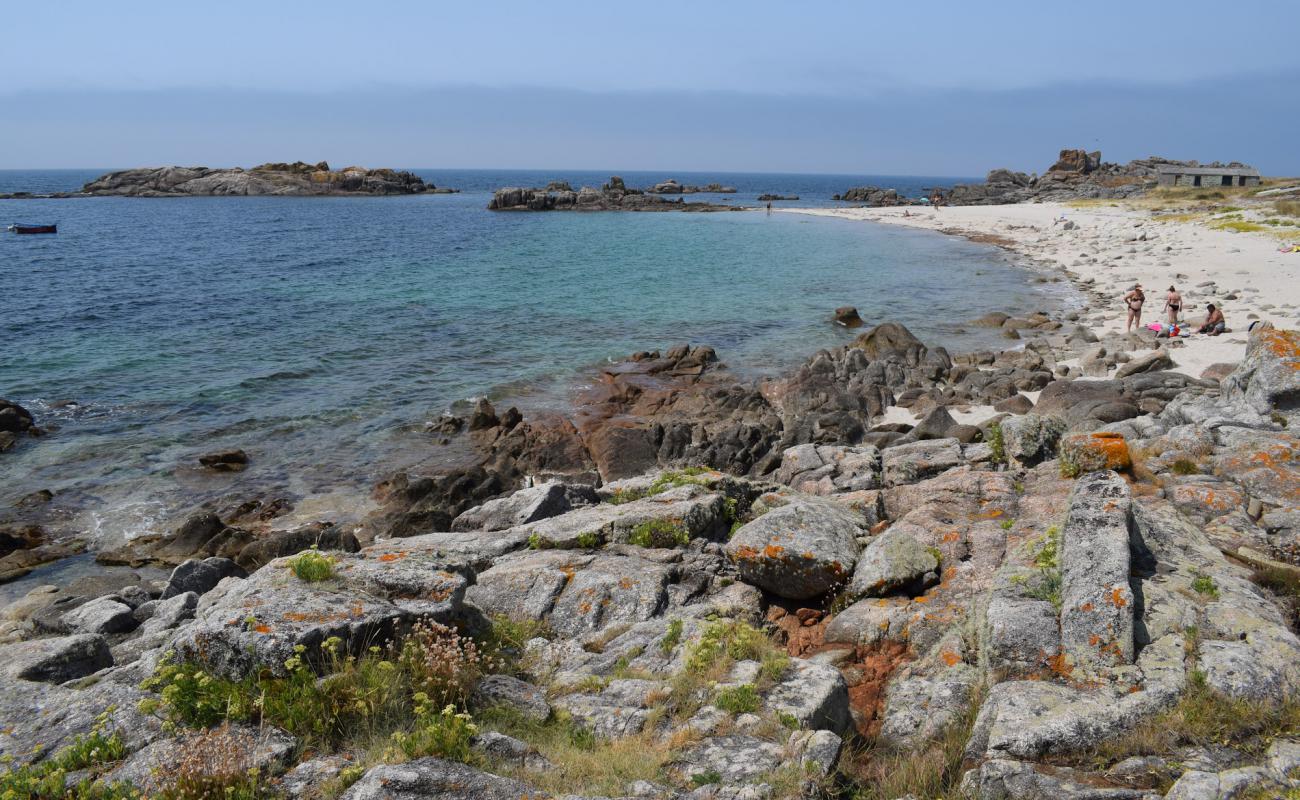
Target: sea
{"type": "Point", "coordinates": [322, 335]}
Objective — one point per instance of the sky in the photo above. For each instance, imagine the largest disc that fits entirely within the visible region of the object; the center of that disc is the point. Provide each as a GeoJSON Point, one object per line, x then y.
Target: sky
{"type": "Point", "coordinates": [945, 87]}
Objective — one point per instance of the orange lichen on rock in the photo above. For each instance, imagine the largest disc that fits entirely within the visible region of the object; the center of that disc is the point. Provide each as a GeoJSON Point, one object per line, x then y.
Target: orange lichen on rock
{"type": "Point", "coordinates": [1117, 597]}
{"type": "Point", "coordinates": [1089, 452]}
{"type": "Point", "coordinates": [1283, 344]}
{"type": "Point", "coordinates": [390, 557]}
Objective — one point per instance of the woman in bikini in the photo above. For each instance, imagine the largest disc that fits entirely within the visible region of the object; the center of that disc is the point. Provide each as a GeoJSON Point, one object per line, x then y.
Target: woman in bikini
{"type": "Point", "coordinates": [1134, 300]}
{"type": "Point", "coordinates": [1173, 303]}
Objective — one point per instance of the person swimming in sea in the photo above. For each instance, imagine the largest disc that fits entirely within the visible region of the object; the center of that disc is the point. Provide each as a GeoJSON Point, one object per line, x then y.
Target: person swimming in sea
{"type": "Point", "coordinates": [1173, 304]}
{"type": "Point", "coordinates": [1134, 300]}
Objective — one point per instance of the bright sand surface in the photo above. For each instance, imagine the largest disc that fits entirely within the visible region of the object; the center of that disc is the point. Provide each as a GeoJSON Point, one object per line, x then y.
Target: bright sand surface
{"type": "Point", "coordinates": [1106, 248]}
{"type": "Point", "coordinates": [1111, 248]}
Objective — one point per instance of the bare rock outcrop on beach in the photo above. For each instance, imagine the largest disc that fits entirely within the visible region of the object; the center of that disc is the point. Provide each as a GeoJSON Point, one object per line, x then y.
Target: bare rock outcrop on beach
{"type": "Point", "coordinates": [298, 178]}
{"type": "Point", "coordinates": [612, 196]}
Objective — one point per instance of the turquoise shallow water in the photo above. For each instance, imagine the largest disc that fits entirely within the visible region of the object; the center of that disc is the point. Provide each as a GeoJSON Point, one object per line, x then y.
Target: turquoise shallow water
{"type": "Point", "coordinates": [319, 334]}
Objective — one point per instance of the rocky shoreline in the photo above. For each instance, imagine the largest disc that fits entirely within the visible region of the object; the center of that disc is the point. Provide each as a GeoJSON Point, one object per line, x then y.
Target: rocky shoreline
{"type": "Point", "coordinates": [298, 179]}
{"type": "Point", "coordinates": [764, 589]}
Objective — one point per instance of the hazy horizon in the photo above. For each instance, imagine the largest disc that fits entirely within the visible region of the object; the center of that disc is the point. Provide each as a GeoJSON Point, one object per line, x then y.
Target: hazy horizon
{"type": "Point", "coordinates": [726, 87]}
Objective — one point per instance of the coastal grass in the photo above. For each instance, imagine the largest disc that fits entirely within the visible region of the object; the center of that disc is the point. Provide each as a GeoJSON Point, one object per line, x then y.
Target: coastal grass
{"type": "Point", "coordinates": [1203, 717]}
{"type": "Point", "coordinates": [879, 771]}
{"type": "Point", "coordinates": [1287, 208]}
{"type": "Point", "coordinates": [583, 764]}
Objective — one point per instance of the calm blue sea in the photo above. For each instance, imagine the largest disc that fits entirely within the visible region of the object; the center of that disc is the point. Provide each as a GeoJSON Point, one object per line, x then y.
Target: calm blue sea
{"type": "Point", "coordinates": [320, 334]}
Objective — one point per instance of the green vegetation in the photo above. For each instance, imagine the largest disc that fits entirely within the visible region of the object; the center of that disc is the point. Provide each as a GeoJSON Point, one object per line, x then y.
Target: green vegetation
{"type": "Point", "coordinates": [725, 642]}
{"type": "Point", "coordinates": [1240, 226]}
{"type": "Point", "coordinates": [997, 444]}
{"type": "Point", "coordinates": [1204, 585]}
{"type": "Point", "coordinates": [1008, 524]}
{"type": "Point", "coordinates": [588, 540]}
{"type": "Point", "coordinates": [538, 542]}
{"type": "Point", "coordinates": [504, 642]}
{"type": "Point", "coordinates": [672, 637]}
{"type": "Point", "coordinates": [49, 778]}
{"type": "Point", "coordinates": [687, 476]}
{"type": "Point", "coordinates": [659, 533]}
{"type": "Point", "coordinates": [312, 566]}
{"type": "Point", "coordinates": [706, 778]}
{"type": "Point", "coordinates": [383, 694]}
{"type": "Point", "coordinates": [1048, 555]}
{"type": "Point", "coordinates": [1184, 466]}
{"type": "Point", "coordinates": [1047, 560]}
{"type": "Point", "coordinates": [740, 699]}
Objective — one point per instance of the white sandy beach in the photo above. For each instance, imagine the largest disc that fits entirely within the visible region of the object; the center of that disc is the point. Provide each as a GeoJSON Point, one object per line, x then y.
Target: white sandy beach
{"type": "Point", "coordinates": [1111, 248]}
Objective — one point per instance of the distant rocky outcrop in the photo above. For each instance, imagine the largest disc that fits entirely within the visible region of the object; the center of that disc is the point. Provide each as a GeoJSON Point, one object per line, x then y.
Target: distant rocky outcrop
{"type": "Point", "coordinates": [298, 178]}
{"type": "Point", "coordinates": [767, 198]}
{"type": "Point", "coordinates": [1076, 175]}
{"type": "Point", "coordinates": [872, 196]}
{"type": "Point", "coordinates": [671, 186]}
{"type": "Point", "coordinates": [613, 196]}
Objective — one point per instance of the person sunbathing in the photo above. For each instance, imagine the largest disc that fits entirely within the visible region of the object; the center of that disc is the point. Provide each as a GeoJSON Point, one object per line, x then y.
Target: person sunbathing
{"type": "Point", "coordinates": [1214, 323]}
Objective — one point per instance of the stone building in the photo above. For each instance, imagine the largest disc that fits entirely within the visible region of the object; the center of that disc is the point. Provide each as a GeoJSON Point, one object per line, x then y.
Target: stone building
{"type": "Point", "coordinates": [1235, 175]}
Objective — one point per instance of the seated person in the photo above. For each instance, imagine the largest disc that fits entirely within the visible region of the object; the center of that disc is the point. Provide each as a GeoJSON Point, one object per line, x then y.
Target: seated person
{"type": "Point", "coordinates": [1214, 324]}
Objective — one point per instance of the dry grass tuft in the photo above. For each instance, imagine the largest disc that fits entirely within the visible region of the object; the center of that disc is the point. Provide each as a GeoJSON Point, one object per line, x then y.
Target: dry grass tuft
{"type": "Point", "coordinates": [1204, 717]}
{"type": "Point", "coordinates": [880, 772]}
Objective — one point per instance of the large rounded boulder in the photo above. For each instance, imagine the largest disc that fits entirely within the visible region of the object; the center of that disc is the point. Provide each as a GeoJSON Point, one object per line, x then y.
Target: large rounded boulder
{"type": "Point", "coordinates": [798, 550]}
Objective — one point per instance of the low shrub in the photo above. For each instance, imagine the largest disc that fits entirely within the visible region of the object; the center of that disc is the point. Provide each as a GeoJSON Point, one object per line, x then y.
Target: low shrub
{"type": "Point", "coordinates": [312, 566]}
{"type": "Point", "coordinates": [672, 636]}
{"type": "Point", "coordinates": [357, 699]}
{"type": "Point", "coordinates": [997, 444]}
{"type": "Point", "coordinates": [1184, 466]}
{"type": "Point", "coordinates": [1204, 585]}
{"type": "Point", "coordinates": [742, 699]}
{"type": "Point", "coordinates": [659, 533]}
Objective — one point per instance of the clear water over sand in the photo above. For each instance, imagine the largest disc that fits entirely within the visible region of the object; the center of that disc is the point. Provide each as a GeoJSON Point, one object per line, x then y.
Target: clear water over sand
{"type": "Point", "coordinates": [319, 334]}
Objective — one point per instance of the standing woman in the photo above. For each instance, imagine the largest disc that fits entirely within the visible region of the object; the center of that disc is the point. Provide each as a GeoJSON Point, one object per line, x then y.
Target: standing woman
{"type": "Point", "coordinates": [1173, 302]}
{"type": "Point", "coordinates": [1134, 300]}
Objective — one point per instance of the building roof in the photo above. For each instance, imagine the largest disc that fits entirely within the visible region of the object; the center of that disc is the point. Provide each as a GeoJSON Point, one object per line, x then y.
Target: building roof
{"type": "Point", "coordinates": [1166, 169]}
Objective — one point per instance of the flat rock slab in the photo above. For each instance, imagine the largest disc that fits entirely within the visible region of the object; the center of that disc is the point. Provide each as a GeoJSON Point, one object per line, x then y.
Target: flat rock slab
{"type": "Point", "coordinates": [733, 759]}
{"type": "Point", "coordinates": [815, 694]}
{"type": "Point", "coordinates": [914, 462]}
{"type": "Point", "coordinates": [576, 592]}
{"type": "Point", "coordinates": [694, 510]}
{"type": "Point", "coordinates": [1096, 599]}
{"type": "Point", "coordinates": [55, 660]}
{"type": "Point", "coordinates": [256, 623]}
{"type": "Point", "coordinates": [435, 779]}
{"type": "Point", "coordinates": [798, 550]}
{"type": "Point", "coordinates": [40, 719]}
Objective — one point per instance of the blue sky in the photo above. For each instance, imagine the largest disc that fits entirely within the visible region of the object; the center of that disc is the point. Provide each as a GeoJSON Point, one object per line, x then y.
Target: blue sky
{"type": "Point", "coordinates": [938, 88]}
